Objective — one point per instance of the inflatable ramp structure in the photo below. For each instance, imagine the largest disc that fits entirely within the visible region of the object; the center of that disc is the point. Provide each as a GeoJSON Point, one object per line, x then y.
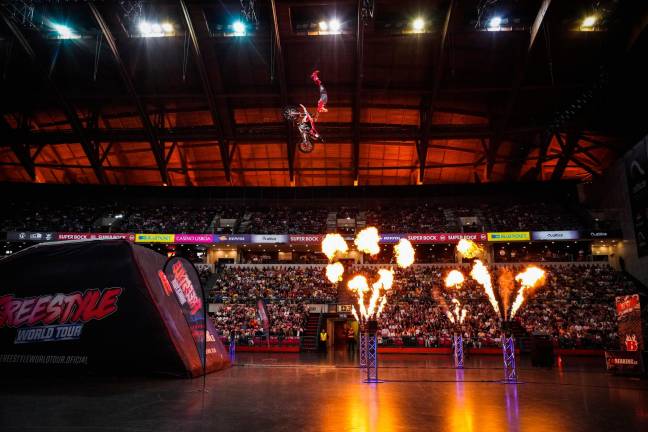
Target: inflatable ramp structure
{"type": "Point", "coordinates": [106, 306]}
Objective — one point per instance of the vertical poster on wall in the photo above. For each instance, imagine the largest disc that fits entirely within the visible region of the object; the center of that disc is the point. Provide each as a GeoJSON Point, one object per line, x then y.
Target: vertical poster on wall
{"type": "Point", "coordinates": [637, 175]}
{"type": "Point", "coordinates": [628, 310]}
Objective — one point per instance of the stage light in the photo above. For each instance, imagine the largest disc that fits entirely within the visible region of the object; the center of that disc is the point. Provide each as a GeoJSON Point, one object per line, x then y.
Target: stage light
{"type": "Point", "coordinates": [144, 27]}
{"type": "Point", "coordinates": [64, 32]}
{"type": "Point", "coordinates": [154, 29]}
{"type": "Point", "coordinates": [335, 26]}
{"type": "Point", "coordinates": [495, 23]}
{"type": "Point", "coordinates": [323, 25]}
{"type": "Point", "coordinates": [589, 21]}
{"type": "Point", "coordinates": [239, 28]}
{"type": "Point", "coordinates": [418, 25]}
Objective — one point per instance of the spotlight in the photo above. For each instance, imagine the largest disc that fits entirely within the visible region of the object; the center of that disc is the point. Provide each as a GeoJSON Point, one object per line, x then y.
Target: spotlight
{"type": "Point", "coordinates": [335, 25]}
{"type": "Point", "coordinates": [239, 28]}
{"type": "Point", "coordinates": [495, 23]}
{"type": "Point", "coordinates": [64, 32]}
{"type": "Point", "coordinates": [167, 27]}
{"type": "Point", "coordinates": [156, 28]}
{"type": "Point", "coordinates": [589, 21]}
{"type": "Point", "coordinates": [323, 25]}
{"type": "Point", "coordinates": [418, 24]}
{"type": "Point", "coordinates": [144, 27]}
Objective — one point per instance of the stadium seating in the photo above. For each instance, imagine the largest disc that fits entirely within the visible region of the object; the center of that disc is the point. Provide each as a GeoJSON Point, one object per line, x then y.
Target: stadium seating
{"type": "Point", "coordinates": [575, 306]}
{"type": "Point", "coordinates": [198, 217]}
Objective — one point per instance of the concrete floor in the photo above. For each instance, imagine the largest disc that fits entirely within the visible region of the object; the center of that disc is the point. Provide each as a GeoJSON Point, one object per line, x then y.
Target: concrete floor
{"type": "Point", "coordinates": [293, 392]}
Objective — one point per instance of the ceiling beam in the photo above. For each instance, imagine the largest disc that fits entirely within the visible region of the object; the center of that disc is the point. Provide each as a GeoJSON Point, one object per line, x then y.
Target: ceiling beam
{"type": "Point", "coordinates": [283, 90]}
{"type": "Point", "coordinates": [341, 90]}
{"type": "Point", "coordinates": [262, 133]}
{"type": "Point", "coordinates": [545, 143]}
{"type": "Point", "coordinates": [182, 169]}
{"type": "Point", "coordinates": [520, 73]}
{"type": "Point", "coordinates": [427, 111]}
{"type": "Point", "coordinates": [157, 146]}
{"type": "Point", "coordinates": [219, 109]}
{"type": "Point", "coordinates": [89, 148]}
{"type": "Point", "coordinates": [520, 155]}
{"type": "Point", "coordinates": [567, 153]}
{"type": "Point", "coordinates": [593, 172]}
{"type": "Point", "coordinates": [359, 75]}
{"type": "Point", "coordinates": [21, 151]}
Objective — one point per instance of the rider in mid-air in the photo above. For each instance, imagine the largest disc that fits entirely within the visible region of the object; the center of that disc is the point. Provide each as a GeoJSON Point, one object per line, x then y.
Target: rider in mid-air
{"type": "Point", "coordinates": [304, 121]}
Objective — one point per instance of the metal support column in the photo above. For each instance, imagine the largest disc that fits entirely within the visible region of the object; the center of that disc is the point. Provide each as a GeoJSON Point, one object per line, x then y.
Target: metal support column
{"type": "Point", "coordinates": [372, 358]}
{"type": "Point", "coordinates": [458, 352]}
{"type": "Point", "coordinates": [363, 348]}
{"type": "Point", "coordinates": [508, 351]}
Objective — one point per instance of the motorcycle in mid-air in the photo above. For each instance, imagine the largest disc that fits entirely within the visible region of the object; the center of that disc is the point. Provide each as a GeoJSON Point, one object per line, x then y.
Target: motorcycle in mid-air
{"type": "Point", "coordinates": [304, 121]}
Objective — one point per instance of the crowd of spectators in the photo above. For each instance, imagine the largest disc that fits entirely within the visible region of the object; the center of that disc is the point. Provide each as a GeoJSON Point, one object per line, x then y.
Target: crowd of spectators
{"type": "Point", "coordinates": [575, 306]}
{"type": "Point", "coordinates": [532, 217]}
{"type": "Point", "coordinates": [283, 220]}
{"type": "Point", "coordinates": [279, 219]}
{"type": "Point", "coordinates": [59, 216]}
{"type": "Point", "coordinates": [286, 320]}
{"type": "Point", "coordinates": [419, 218]}
{"type": "Point", "coordinates": [167, 219]}
{"type": "Point", "coordinates": [295, 284]}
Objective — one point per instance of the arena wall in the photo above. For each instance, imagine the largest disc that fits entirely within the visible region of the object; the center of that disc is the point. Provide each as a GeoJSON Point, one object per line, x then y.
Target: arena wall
{"type": "Point", "coordinates": [612, 191]}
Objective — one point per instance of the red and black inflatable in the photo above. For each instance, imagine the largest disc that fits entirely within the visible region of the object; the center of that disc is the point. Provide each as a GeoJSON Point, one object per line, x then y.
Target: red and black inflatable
{"type": "Point", "coordinates": [108, 306]}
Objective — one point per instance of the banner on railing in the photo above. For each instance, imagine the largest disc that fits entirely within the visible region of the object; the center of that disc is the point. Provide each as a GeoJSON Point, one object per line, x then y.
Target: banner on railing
{"type": "Point", "coordinates": [269, 238]}
{"type": "Point", "coordinates": [600, 234]}
{"type": "Point", "coordinates": [509, 236]}
{"type": "Point", "coordinates": [31, 236]}
{"type": "Point", "coordinates": [233, 238]}
{"type": "Point", "coordinates": [630, 362]}
{"type": "Point", "coordinates": [444, 237]}
{"type": "Point", "coordinates": [305, 238]}
{"type": "Point", "coordinates": [555, 235]}
{"type": "Point", "coordinates": [95, 236]}
{"type": "Point", "coordinates": [194, 238]}
{"type": "Point", "coordinates": [154, 238]}
{"type": "Point", "coordinates": [311, 239]}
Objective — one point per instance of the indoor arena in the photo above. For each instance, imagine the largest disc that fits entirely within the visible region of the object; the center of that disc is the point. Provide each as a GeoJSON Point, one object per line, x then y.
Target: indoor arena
{"type": "Point", "coordinates": [323, 215]}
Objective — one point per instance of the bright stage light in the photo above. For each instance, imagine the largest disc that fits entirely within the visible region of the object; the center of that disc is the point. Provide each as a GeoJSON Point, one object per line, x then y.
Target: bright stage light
{"type": "Point", "coordinates": [323, 25]}
{"type": "Point", "coordinates": [495, 23]}
{"type": "Point", "coordinates": [154, 29]}
{"type": "Point", "coordinates": [418, 24]}
{"type": "Point", "coordinates": [335, 25]}
{"type": "Point", "coordinates": [144, 27]}
{"type": "Point", "coordinates": [239, 28]}
{"type": "Point", "coordinates": [589, 21]}
{"type": "Point", "coordinates": [64, 32]}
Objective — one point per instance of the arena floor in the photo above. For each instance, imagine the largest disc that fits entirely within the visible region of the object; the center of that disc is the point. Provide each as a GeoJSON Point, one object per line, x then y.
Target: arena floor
{"type": "Point", "coordinates": [293, 392]}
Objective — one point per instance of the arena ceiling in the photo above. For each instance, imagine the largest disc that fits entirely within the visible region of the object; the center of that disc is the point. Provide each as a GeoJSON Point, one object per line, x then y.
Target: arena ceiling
{"type": "Point", "coordinates": [458, 101]}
